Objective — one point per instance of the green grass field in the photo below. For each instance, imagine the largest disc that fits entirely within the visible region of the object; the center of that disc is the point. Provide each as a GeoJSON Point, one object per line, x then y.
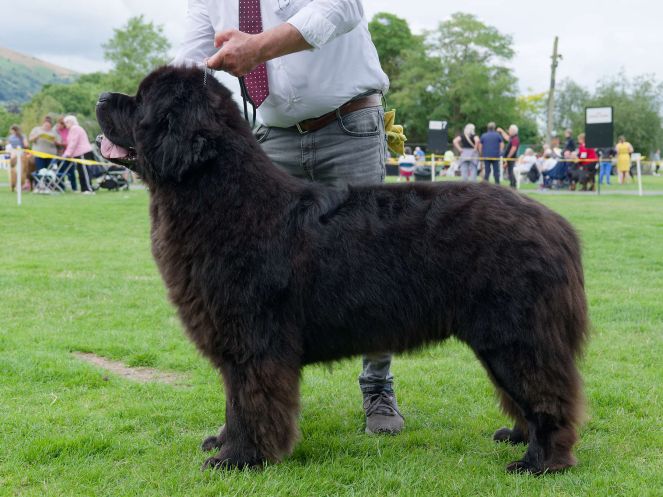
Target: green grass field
{"type": "Point", "coordinates": [76, 274]}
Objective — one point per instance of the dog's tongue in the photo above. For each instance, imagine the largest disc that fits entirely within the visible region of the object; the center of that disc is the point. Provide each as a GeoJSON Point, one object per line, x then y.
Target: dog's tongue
{"type": "Point", "coordinates": [112, 151]}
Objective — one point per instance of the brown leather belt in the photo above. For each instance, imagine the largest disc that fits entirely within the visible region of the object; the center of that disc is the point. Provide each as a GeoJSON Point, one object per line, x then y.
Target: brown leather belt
{"type": "Point", "coordinates": [309, 125]}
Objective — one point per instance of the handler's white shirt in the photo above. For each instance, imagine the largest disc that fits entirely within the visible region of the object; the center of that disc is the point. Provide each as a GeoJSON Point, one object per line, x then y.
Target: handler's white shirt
{"type": "Point", "coordinates": [344, 62]}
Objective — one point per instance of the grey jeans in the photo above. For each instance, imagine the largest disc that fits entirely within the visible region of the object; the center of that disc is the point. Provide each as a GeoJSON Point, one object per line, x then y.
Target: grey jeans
{"type": "Point", "coordinates": [350, 150]}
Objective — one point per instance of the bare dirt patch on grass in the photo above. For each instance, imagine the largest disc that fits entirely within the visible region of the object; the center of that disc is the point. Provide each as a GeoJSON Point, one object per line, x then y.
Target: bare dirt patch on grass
{"type": "Point", "coordinates": [138, 374]}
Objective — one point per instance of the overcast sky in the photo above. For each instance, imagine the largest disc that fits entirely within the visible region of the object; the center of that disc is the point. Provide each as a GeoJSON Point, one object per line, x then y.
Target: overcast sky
{"type": "Point", "coordinates": [597, 38]}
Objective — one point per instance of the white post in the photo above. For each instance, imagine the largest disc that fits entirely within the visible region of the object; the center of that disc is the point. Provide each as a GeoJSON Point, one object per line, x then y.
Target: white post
{"type": "Point", "coordinates": [432, 168]}
{"type": "Point", "coordinates": [639, 166]}
{"type": "Point", "coordinates": [19, 175]}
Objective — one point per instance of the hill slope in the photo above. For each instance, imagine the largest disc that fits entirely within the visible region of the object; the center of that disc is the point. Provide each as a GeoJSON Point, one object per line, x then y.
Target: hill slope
{"type": "Point", "coordinates": [21, 76]}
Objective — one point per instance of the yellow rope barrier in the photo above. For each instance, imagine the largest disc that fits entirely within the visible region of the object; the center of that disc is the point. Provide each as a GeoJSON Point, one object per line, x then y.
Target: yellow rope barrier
{"type": "Point", "coordinates": [44, 155]}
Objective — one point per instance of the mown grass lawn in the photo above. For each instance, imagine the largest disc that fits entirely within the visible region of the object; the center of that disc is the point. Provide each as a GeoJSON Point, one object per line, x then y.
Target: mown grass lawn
{"type": "Point", "coordinates": [76, 274]}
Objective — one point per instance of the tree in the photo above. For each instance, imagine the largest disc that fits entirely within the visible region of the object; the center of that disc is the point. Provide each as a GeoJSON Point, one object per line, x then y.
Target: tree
{"type": "Point", "coordinates": [637, 108]}
{"type": "Point", "coordinates": [459, 76]}
{"type": "Point", "coordinates": [637, 104]}
{"type": "Point", "coordinates": [6, 121]}
{"type": "Point", "coordinates": [394, 41]}
{"type": "Point", "coordinates": [570, 104]}
{"type": "Point", "coordinates": [477, 86]}
{"type": "Point", "coordinates": [417, 94]}
{"type": "Point", "coordinates": [134, 51]}
{"type": "Point", "coordinates": [77, 98]}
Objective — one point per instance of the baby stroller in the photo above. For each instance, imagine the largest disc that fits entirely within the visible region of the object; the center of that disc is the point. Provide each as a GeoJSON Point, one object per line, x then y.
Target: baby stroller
{"type": "Point", "coordinates": [114, 178]}
{"type": "Point", "coordinates": [111, 176]}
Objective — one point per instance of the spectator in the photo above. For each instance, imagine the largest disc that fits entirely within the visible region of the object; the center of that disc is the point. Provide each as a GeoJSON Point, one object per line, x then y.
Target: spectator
{"type": "Point", "coordinates": [79, 147]}
{"type": "Point", "coordinates": [605, 161]}
{"type": "Point", "coordinates": [15, 141]}
{"type": "Point", "coordinates": [624, 150]}
{"type": "Point", "coordinates": [468, 145]}
{"type": "Point", "coordinates": [586, 167]}
{"type": "Point", "coordinates": [491, 149]}
{"type": "Point", "coordinates": [406, 165]}
{"type": "Point", "coordinates": [656, 162]}
{"type": "Point", "coordinates": [419, 156]}
{"type": "Point", "coordinates": [63, 131]}
{"type": "Point", "coordinates": [449, 161]}
{"type": "Point", "coordinates": [545, 164]}
{"type": "Point", "coordinates": [511, 151]}
{"type": "Point", "coordinates": [559, 172]}
{"type": "Point", "coordinates": [570, 145]}
{"type": "Point", "coordinates": [525, 164]}
{"type": "Point", "coordinates": [44, 139]}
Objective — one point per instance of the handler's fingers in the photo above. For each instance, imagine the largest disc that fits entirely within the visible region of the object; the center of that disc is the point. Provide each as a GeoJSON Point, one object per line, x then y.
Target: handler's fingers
{"type": "Point", "coordinates": [223, 36]}
{"type": "Point", "coordinates": [216, 61]}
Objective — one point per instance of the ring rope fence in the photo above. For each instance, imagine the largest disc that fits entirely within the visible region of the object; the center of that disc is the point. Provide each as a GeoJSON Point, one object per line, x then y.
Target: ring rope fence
{"type": "Point", "coordinates": [434, 161]}
{"type": "Point", "coordinates": [20, 152]}
{"type": "Point", "coordinates": [431, 161]}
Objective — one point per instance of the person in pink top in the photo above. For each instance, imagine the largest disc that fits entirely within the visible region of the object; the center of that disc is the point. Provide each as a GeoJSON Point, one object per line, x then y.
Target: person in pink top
{"type": "Point", "coordinates": [62, 130]}
{"type": "Point", "coordinates": [79, 147]}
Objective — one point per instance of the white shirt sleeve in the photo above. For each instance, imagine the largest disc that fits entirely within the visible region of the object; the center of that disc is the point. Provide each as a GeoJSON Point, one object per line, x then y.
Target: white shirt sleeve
{"type": "Point", "coordinates": [198, 41]}
{"type": "Point", "coordinates": [321, 21]}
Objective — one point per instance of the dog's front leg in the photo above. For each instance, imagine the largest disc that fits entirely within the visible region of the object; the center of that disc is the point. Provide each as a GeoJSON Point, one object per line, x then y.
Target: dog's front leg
{"type": "Point", "coordinates": [262, 404]}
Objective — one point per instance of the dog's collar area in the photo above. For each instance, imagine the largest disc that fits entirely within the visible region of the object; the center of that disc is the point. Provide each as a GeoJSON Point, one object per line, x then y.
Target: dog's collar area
{"type": "Point", "coordinates": [206, 70]}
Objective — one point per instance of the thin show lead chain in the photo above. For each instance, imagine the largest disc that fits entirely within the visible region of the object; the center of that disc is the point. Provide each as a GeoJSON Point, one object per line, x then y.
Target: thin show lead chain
{"type": "Point", "coordinates": [245, 94]}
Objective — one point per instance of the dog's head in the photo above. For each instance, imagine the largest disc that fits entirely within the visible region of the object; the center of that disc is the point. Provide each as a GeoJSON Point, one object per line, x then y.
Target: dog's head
{"type": "Point", "coordinates": [177, 123]}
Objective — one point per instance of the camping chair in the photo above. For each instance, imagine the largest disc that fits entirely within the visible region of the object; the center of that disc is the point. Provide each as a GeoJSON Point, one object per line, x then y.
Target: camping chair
{"type": "Point", "coordinates": [47, 180]}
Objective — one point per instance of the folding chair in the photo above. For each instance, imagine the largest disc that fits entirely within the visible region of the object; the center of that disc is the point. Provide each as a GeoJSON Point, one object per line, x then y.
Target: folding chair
{"type": "Point", "coordinates": [50, 179]}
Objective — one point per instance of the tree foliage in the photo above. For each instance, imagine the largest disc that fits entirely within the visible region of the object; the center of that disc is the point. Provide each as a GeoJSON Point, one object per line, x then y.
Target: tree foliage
{"type": "Point", "coordinates": [458, 74]}
{"type": "Point", "coordinates": [6, 121]}
{"type": "Point", "coordinates": [394, 42]}
{"type": "Point", "coordinates": [134, 50]}
{"type": "Point", "coordinates": [637, 108]}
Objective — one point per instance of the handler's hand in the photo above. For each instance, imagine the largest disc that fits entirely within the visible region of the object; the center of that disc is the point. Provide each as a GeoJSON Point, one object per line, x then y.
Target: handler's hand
{"type": "Point", "coordinates": [239, 53]}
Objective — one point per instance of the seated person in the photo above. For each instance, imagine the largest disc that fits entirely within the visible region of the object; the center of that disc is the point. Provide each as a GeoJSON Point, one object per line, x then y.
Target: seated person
{"type": "Point", "coordinates": [559, 172]}
{"type": "Point", "coordinates": [525, 162]}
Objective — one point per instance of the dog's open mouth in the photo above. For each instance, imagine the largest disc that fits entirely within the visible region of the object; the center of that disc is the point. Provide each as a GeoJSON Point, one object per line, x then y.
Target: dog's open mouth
{"type": "Point", "coordinates": [115, 153]}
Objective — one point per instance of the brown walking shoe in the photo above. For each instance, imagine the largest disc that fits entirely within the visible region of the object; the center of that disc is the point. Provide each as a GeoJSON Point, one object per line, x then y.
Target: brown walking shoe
{"type": "Point", "coordinates": [382, 414]}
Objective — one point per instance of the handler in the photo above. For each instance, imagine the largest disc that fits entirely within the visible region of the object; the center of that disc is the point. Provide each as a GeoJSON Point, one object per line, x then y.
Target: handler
{"type": "Point", "coordinates": [313, 72]}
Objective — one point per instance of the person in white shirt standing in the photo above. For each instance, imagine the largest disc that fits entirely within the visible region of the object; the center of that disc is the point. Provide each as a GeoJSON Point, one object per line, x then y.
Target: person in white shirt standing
{"type": "Point", "coordinates": [313, 73]}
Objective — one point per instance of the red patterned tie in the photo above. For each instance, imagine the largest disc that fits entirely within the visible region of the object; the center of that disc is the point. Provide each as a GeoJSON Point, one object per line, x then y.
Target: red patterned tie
{"type": "Point", "coordinates": [250, 21]}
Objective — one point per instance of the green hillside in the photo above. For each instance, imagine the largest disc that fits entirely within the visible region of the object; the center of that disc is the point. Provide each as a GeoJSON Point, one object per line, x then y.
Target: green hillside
{"type": "Point", "coordinates": [22, 76]}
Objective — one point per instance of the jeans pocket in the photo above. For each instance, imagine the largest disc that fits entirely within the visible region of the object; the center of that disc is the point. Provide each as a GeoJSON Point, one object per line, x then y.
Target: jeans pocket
{"type": "Point", "coordinates": [262, 133]}
{"type": "Point", "coordinates": [363, 122]}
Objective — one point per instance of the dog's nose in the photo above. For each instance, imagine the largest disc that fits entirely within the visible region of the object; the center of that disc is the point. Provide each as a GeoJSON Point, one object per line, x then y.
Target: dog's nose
{"type": "Point", "coordinates": [103, 98]}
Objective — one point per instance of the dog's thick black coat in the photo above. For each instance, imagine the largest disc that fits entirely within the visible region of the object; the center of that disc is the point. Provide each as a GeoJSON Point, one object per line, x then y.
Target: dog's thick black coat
{"type": "Point", "coordinates": [270, 273]}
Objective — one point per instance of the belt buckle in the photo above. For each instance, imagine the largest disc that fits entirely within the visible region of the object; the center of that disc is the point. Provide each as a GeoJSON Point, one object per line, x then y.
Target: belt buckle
{"type": "Point", "coordinates": [299, 128]}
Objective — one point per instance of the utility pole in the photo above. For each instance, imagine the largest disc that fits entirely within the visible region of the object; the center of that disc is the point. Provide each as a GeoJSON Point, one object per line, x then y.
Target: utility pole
{"type": "Point", "coordinates": [551, 95]}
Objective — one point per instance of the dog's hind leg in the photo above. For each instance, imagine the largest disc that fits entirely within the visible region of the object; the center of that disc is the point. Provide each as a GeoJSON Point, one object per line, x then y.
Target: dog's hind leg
{"type": "Point", "coordinates": [546, 389]}
{"type": "Point", "coordinates": [262, 403]}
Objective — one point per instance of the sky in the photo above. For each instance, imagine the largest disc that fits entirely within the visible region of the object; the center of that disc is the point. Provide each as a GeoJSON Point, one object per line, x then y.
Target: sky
{"type": "Point", "coordinates": [597, 38]}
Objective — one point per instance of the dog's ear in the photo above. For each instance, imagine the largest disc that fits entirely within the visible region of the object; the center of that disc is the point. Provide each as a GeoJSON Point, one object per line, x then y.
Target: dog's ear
{"type": "Point", "coordinates": [182, 147]}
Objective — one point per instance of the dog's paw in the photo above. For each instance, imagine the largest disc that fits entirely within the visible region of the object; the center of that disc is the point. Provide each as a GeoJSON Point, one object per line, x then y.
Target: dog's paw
{"type": "Point", "coordinates": [508, 435]}
{"type": "Point", "coordinates": [211, 443]}
{"type": "Point", "coordinates": [523, 467]}
{"type": "Point", "coordinates": [228, 459]}
{"type": "Point", "coordinates": [215, 441]}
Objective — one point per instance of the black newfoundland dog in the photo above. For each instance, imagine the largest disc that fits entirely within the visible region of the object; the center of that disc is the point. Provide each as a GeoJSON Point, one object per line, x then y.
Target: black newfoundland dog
{"type": "Point", "coordinates": [270, 273]}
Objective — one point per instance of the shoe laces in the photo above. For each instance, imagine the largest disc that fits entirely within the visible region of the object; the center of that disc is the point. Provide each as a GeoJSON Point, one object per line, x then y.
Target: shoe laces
{"type": "Point", "coordinates": [381, 403]}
